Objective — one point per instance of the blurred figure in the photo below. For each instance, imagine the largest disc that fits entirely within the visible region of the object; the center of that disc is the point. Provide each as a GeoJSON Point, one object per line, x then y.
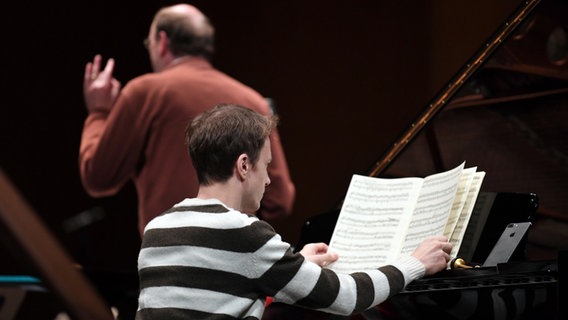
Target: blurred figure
{"type": "Point", "coordinates": [137, 133]}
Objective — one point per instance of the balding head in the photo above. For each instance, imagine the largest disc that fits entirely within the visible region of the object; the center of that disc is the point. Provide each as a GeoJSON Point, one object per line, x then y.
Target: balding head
{"type": "Point", "coordinates": [194, 18]}
{"type": "Point", "coordinates": [188, 30]}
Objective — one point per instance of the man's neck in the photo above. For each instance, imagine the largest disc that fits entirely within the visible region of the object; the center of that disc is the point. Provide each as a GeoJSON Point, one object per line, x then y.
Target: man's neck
{"type": "Point", "coordinates": [224, 192]}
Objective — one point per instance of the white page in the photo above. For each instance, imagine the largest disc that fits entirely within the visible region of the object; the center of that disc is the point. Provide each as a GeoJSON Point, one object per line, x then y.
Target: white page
{"type": "Point", "coordinates": [432, 208]}
{"type": "Point", "coordinates": [463, 221]}
{"type": "Point", "coordinates": [459, 200]}
{"type": "Point", "coordinates": [373, 220]}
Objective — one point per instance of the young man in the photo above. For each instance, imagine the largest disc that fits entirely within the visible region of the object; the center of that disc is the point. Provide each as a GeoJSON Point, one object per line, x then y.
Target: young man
{"type": "Point", "coordinates": [137, 133]}
{"type": "Point", "coordinates": [205, 259]}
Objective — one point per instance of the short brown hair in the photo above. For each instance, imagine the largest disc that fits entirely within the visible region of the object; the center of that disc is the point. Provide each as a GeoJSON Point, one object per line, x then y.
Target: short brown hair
{"type": "Point", "coordinates": [217, 137]}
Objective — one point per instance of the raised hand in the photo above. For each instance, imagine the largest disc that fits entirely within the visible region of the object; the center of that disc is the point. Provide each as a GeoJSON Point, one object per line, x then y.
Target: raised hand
{"type": "Point", "coordinates": [100, 89]}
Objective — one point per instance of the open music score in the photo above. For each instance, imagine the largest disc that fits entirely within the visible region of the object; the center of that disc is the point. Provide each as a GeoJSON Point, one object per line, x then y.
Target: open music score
{"type": "Point", "coordinates": [382, 219]}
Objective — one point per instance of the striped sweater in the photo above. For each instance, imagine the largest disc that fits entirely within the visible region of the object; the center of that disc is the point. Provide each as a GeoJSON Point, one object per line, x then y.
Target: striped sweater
{"type": "Point", "coordinates": [203, 260]}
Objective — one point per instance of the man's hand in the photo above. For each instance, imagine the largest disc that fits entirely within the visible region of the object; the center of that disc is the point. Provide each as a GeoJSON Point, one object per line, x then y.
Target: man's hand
{"type": "Point", "coordinates": [100, 89]}
{"type": "Point", "coordinates": [434, 253]}
{"type": "Point", "coordinates": [317, 253]}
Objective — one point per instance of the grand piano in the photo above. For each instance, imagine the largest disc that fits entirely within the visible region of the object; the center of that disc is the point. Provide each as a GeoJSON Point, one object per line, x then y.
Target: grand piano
{"type": "Point", "coordinates": [504, 111]}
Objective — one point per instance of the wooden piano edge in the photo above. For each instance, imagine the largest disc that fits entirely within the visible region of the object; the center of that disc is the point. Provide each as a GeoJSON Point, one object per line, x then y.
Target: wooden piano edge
{"type": "Point", "coordinates": [58, 271]}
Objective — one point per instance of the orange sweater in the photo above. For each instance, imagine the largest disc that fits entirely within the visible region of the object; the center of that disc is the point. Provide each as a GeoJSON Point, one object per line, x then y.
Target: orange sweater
{"type": "Point", "coordinates": [142, 139]}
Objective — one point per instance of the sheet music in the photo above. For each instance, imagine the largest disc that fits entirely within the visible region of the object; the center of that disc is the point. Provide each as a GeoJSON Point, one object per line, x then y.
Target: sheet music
{"type": "Point", "coordinates": [383, 219]}
{"type": "Point", "coordinates": [459, 231]}
{"type": "Point", "coordinates": [460, 200]}
{"type": "Point", "coordinates": [372, 222]}
{"type": "Point", "coordinates": [433, 207]}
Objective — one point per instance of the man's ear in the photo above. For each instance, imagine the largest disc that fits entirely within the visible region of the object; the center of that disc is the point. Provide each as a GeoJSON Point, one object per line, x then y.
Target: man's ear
{"type": "Point", "coordinates": [163, 43]}
{"type": "Point", "coordinates": [242, 166]}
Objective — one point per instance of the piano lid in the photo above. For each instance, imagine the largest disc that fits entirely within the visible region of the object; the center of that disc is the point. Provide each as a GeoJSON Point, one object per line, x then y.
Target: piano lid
{"type": "Point", "coordinates": [508, 118]}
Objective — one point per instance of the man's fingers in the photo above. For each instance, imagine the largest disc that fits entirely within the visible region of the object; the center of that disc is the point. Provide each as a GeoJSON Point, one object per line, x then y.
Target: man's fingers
{"type": "Point", "coordinates": [109, 68]}
{"type": "Point", "coordinates": [88, 68]}
{"type": "Point", "coordinates": [95, 67]}
{"type": "Point", "coordinates": [92, 69]}
{"type": "Point", "coordinates": [97, 63]}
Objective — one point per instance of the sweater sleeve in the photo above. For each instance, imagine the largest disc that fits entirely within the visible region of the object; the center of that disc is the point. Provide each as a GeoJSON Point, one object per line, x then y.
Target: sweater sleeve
{"type": "Point", "coordinates": [411, 268]}
{"type": "Point", "coordinates": [303, 283]}
{"type": "Point", "coordinates": [111, 146]}
{"type": "Point", "coordinates": [93, 129]}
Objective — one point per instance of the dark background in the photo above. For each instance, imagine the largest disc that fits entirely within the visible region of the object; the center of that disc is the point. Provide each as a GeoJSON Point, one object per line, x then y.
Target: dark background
{"type": "Point", "coordinates": [346, 76]}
